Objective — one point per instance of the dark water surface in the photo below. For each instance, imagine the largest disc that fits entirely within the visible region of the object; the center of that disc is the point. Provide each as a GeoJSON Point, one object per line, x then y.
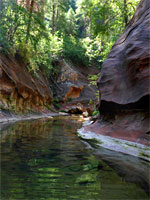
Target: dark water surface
{"type": "Point", "coordinates": [45, 160]}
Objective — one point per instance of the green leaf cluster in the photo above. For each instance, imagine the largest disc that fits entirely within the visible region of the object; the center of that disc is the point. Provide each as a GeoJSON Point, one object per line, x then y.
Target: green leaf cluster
{"type": "Point", "coordinates": [47, 30]}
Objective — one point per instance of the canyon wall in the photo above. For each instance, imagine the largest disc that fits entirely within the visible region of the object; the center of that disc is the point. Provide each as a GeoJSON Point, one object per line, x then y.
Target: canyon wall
{"type": "Point", "coordinates": [124, 84]}
{"type": "Point", "coordinates": [73, 87]}
{"type": "Point", "coordinates": [20, 89]}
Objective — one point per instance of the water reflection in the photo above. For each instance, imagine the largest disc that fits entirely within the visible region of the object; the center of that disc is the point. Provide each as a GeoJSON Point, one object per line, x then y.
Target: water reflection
{"type": "Point", "coordinates": [45, 160]}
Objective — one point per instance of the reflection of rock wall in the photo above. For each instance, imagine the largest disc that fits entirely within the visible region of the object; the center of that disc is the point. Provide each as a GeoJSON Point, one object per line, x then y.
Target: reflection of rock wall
{"type": "Point", "coordinates": [124, 83]}
{"type": "Point", "coordinates": [21, 90]}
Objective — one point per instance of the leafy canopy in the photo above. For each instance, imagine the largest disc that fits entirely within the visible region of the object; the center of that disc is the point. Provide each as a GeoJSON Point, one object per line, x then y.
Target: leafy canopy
{"type": "Point", "coordinates": [43, 31]}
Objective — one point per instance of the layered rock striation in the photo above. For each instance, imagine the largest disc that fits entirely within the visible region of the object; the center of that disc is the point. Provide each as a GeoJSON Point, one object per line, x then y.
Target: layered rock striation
{"type": "Point", "coordinates": [73, 88]}
{"type": "Point", "coordinates": [20, 89]}
{"type": "Point", "coordinates": [124, 84]}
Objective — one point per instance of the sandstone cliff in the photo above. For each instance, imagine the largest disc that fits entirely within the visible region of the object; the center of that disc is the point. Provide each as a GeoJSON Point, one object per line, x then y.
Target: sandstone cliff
{"type": "Point", "coordinates": [20, 89]}
{"type": "Point", "coordinates": [73, 88]}
{"type": "Point", "coordinates": [124, 83]}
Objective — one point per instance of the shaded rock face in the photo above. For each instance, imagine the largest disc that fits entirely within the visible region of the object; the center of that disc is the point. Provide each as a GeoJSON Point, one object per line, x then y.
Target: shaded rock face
{"type": "Point", "coordinates": [124, 83]}
{"type": "Point", "coordinates": [125, 75]}
{"type": "Point", "coordinates": [19, 89]}
{"type": "Point", "coordinates": [75, 89]}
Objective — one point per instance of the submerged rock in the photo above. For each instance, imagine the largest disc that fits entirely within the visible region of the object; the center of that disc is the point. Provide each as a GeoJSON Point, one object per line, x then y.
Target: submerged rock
{"type": "Point", "coordinates": [124, 85]}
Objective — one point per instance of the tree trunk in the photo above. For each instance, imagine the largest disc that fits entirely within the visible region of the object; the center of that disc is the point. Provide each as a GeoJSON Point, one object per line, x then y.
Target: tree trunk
{"type": "Point", "coordinates": [57, 15]}
{"type": "Point", "coordinates": [53, 17]}
{"type": "Point", "coordinates": [125, 12]}
{"type": "Point", "coordinates": [1, 9]}
{"type": "Point", "coordinates": [29, 21]}
{"type": "Point", "coordinates": [41, 8]}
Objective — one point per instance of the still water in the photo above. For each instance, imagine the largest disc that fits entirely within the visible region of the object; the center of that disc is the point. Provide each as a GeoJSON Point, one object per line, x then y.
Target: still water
{"type": "Point", "coordinates": [46, 160]}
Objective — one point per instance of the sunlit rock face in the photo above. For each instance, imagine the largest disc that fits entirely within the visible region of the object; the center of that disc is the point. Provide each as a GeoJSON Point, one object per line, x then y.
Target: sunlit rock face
{"type": "Point", "coordinates": [124, 83]}
{"type": "Point", "coordinates": [20, 89]}
{"type": "Point", "coordinates": [75, 90]}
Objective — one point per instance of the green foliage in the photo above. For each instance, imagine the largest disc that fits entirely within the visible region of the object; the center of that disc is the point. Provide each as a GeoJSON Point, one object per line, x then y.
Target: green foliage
{"type": "Point", "coordinates": [71, 28]}
{"type": "Point", "coordinates": [93, 50]}
{"type": "Point", "coordinates": [56, 103]}
{"type": "Point", "coordinates": [69, 99]}
{"type": "Point", "coordinates": [83, 30]}
{"type": "Point", "coordinates": [90, 102]}
{"type": "Point", "coordinates": [95, 112]}
{"type": "Point", "coordinates": [85, 51]}
{"type": "Point", "coordinates": [74, 50]}
{"type": "Point", "coordinates": [103, 21]}
{"type": "Point", "coordinates": [93, 79]}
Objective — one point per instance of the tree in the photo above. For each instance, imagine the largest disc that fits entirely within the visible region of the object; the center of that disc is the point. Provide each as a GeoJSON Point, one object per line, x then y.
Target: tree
{"type": "Point", "coordinates": [31, 7]}
{"type": "Point", "coordinates": [125, 13]}
{"type": "Point", "coordinates": [0, 9]}
{"type": "Point", "coordinates": [71, 26]}
{"type": "Point", "coordinates": [53, 16]}
{"type": "Point", "coordinates": [44, 30]}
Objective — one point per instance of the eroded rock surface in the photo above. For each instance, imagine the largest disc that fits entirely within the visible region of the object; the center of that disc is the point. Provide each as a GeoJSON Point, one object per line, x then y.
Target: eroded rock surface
{"type": "Point", "coordinates": [75, 89]}
{"type": "Point", "coordinates": [125, 75]}
{"type": "Point", "coordinates": [124, 83]}
{"type": "Point", "coordinates": [21, 90]}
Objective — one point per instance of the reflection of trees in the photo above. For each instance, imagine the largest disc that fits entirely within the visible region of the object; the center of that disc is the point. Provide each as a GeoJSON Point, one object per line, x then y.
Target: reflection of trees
{"type": "Point", "coordinates": [44, 159]}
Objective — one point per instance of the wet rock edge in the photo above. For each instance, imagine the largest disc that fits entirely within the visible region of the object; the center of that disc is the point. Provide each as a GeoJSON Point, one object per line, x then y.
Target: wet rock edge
{"type": "Point", "coordinates": [115, 144]}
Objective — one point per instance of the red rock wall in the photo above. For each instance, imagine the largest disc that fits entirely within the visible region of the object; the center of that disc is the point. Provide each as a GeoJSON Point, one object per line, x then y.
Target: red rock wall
{"type": "Point", "coordinates": [20, 89]}
{"type": "Point", "coordinates": [74, 92]}
{"type": "Point", "coordinates": [124, 82]}
{"type": "Point", "coordinates": [125, 74]}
